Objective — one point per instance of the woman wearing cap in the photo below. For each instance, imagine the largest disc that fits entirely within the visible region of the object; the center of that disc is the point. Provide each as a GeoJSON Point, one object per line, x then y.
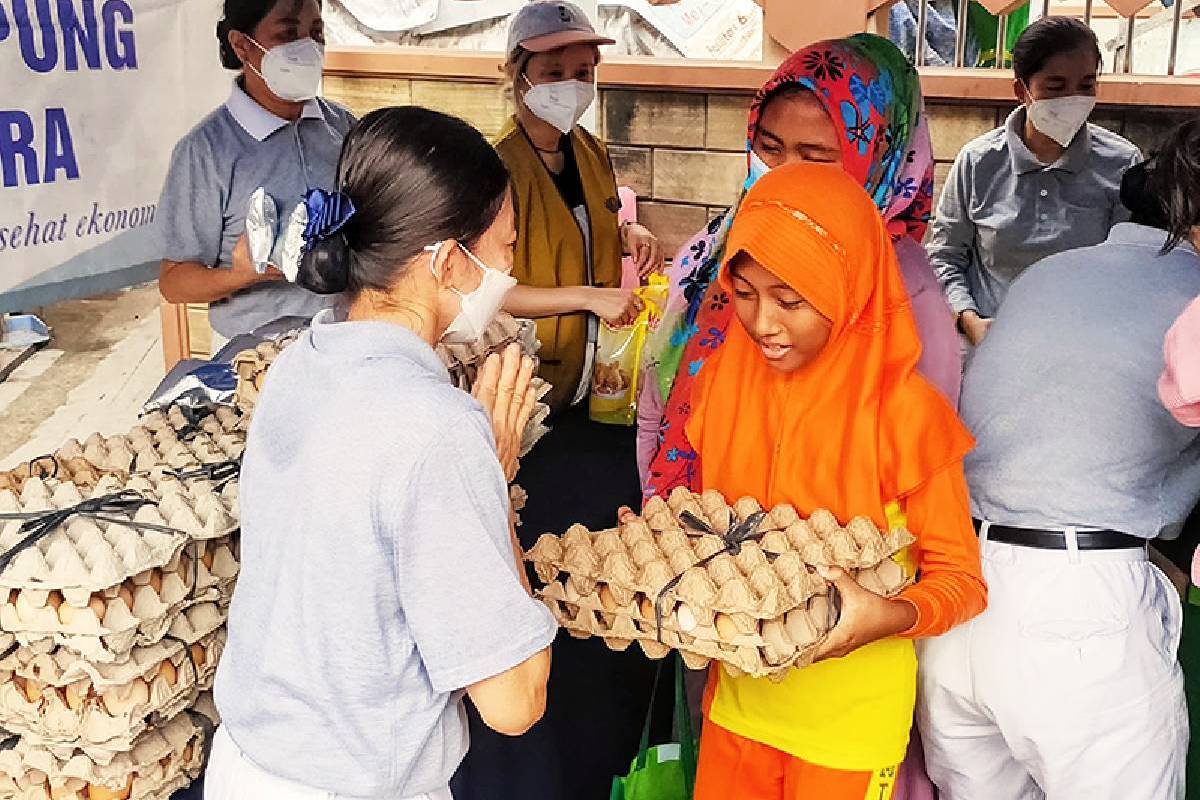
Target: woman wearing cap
{"type": "Point", "coordinates": [1044, 183]}
{"type": "Point", "coordinates": [568, 263]}
{"type": "Point", "coordinates": [274, 133]}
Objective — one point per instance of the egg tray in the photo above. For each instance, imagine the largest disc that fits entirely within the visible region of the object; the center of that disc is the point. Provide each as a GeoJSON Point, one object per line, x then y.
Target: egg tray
{"type": "Point", "coordinates": [163, 759]}
{"type": "Point", "coordinates": [718, 598]}
{"type": "Point", "coordinates": [104, 719]}
{"type": "Point", "coordinates": [139, 611]}
{"type": "Point", "coordinates": [89, 553]}
{"type": "Point", "coordinates": [746, 644]}
{"type": "Point", "coordinates": [463, 362]}
{"type": "Point", "coordinates": [161, 442]}
{"type": "Point", "coordinates": [251, 367]}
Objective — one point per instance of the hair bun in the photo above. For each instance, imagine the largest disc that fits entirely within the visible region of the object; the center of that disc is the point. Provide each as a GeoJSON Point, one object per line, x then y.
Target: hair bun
{"type": "Point", "coordinates": [325, 266]}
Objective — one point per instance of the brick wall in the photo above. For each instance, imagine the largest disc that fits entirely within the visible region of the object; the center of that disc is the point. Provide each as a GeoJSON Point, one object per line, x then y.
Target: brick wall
{"type": "Point", "coordinates": [683, 153]}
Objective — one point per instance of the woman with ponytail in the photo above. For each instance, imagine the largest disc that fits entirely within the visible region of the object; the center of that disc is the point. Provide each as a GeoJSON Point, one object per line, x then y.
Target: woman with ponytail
{"type": "Point", "coordinates": [274, 133]}
{"type": "Point", "coordinates": [381, 579]}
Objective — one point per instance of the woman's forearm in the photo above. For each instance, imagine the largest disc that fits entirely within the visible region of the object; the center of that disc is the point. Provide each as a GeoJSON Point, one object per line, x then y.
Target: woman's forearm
{"type": "Point", "coordinates": [193, 282]}
{"type": "Point", "coordinates": [534, 302]}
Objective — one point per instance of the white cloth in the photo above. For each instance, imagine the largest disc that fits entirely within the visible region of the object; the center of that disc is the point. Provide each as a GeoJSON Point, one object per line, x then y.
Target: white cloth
{"type": "Point", "coordinates": [232, 776]}
{"type": "Point", "coordinates": [1066, 687]}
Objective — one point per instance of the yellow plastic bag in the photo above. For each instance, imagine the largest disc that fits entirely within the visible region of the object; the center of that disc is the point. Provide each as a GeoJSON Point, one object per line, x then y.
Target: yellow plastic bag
{"type": "Point", "coordinates": [618, 363]}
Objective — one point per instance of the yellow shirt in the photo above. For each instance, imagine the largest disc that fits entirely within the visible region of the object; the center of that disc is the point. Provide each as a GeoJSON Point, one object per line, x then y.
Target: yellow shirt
{"type": "Point", "coordinates": [851, 713]}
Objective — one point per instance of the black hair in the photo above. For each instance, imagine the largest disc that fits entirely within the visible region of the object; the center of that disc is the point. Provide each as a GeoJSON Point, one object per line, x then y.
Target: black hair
{"type": "Point", "coordinates": [1144, 208]}
{"type": "Point", "coordinates": [243, 16]}
{"type": "Point", "coordinates": [1047, 38]}
{"type": "Point", "coordinates": [1174, 182]}
{"type": "Point", "coordinates": [416, 177]}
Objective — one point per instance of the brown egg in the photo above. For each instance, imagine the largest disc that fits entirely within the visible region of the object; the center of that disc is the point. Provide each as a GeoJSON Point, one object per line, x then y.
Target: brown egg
{"type": "Point", "coordinates": [77, 694]}
{"type": "Point", "coordinates": [207, 557]}
{"type": "Point", "coordinates": [97, 792]}
{"type": "Point", "coordinates": [156, 579]}
{"type": "Point", "coordinates": [168, 672]}
{"type": "Point", "coordinates": [55, 599]}
{"type": "Point", "coordinates": [187, 753]}
{"type": "Point", "coordinates": [98, 606]}
{"type": "Point", "coordinates": [12, 597]}
{"type": "Point", "coordinates": [725, 628]}
{"type": "Point", "coordinates": [125, 595]}
{"type": "Point", "coordinates": [31, 689]}
{"type": "Point", "coordinates": [198, 655]}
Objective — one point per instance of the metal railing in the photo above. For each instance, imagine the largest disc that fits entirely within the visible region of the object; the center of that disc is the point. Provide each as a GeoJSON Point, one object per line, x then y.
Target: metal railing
{"type": "Point", "coordinates": [1122, 46]}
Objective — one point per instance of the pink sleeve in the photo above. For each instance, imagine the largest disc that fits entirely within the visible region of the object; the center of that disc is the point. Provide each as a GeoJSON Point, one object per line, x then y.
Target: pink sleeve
{"type": "Point", "coordinates": [649, 418]}
{"type": "Point", "coordinates": [941, 353]}
{"type": "Point", "coordinates": [1179, 386]}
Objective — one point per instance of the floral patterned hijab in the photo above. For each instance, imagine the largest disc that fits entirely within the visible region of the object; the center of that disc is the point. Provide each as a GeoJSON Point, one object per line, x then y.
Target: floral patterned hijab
{"type": "Point", "coordinates": [873, 94]}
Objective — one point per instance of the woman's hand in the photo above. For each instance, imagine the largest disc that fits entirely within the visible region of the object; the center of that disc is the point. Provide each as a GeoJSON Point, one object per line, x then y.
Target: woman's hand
{"type": "Point", "coordinates": [974, 326]}
{"type": "Point", "coordinates": [617, 307]}
{"type": "Point", "coordinates": [866, 617]}
{"type": "Point", "coordinates": [243, 265]}
{"type": "Point", "coordinates": [504, 389]}
{"type": "Point", "coordinates": [644, 246]}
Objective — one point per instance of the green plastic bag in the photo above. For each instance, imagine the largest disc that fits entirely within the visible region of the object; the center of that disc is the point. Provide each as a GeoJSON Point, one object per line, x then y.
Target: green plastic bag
{"type": "Point", "coordinates": [665, 771]}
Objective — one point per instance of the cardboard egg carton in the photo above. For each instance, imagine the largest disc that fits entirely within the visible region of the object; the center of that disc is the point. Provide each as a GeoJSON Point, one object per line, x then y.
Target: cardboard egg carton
{"type": "Point", "coordinates": [81, 555]}
{"type": "Point", "coordinates": [162, 760]}
{"type": "Point", "coordinates": [103, 712]}
{"type": "Point", "coordinates": [104, 626]}
{"type": "Point", "coordinates": [758, 606]}
{"type": "Point", "coordinates": [251, 367]}
{"type": "Point", "coordinates": [463, 362]}
{"type": "Point", "coordinates": [193, 590]}
{"type": "Point", "coordinates": [84, 554]}
{"type": "Point", "coordinates": [152, 446]}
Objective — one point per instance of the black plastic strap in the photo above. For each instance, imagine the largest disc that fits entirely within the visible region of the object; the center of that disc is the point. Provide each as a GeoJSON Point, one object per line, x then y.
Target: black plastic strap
{"type": "Point", "coordinates": [738, 533]}
{"type": "Point", "coordinates": [38, 525]}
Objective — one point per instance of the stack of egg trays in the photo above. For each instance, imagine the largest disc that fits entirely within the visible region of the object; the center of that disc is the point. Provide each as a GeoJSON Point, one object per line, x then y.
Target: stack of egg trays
{"type": "Point", "coordinates": [97, 683]}
{"type": "Point", "coordinates": [163, 760]}
{"type": "Point", "coordinates": [154, 444]}
{"type": "Point", "coordinates": [761, 610]}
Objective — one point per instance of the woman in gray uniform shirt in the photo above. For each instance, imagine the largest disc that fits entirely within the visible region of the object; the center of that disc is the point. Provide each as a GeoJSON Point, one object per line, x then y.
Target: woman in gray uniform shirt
{"type": "Point", "coordinates": [381, 580]}
{"type": "Point", "coordinates": [1044, 183]}
{"type": "Point", "coordinates": [273, 132]}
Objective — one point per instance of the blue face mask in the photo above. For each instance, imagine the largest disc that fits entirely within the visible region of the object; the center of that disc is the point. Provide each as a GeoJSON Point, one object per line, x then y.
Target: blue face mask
{"type": "Point", "coordinates": [758, 168]}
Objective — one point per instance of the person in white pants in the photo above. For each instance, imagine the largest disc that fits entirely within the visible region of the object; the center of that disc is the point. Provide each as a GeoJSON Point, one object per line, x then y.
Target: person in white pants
{"type": "Point", "coordinates": [1067, 687]}
{"type": "Point", "coordinates": [232, 776]}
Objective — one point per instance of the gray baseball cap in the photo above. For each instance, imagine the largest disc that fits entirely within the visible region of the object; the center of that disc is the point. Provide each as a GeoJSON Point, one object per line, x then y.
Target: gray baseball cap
{"type": "Point", "coordinates": [550, 24]}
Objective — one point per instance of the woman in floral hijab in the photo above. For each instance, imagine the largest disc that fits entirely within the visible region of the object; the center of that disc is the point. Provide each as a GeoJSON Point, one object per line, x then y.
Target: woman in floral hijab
{"type": "Point", "coordinates": [868, 97]}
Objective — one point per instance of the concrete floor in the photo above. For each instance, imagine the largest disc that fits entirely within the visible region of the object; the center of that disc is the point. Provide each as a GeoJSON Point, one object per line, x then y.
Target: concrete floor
{"type": "Point", "coordinates": [104, 360]}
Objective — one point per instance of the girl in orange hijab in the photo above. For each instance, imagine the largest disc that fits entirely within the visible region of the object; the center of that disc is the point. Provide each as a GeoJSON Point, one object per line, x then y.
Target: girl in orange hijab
{"type": "Point", "coordinates": [814, 400]}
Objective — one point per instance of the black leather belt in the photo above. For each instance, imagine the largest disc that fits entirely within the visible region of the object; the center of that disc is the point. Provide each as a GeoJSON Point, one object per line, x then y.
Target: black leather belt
{"type": "Point", "coordinates": [1057, 540]}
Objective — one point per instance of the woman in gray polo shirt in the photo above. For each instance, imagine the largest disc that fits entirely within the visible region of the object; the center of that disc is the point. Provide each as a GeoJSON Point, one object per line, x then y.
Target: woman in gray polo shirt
{"type": "Point", "coordinates": [380, 575]}
{"type": "Point", "coordinates": [273, 132]}
{"type": "Point", "coordinates": [1045, 182]}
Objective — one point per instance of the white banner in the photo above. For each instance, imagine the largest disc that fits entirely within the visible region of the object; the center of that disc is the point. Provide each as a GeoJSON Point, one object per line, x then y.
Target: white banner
{"type": "Point", "coordinates": [96, 93]}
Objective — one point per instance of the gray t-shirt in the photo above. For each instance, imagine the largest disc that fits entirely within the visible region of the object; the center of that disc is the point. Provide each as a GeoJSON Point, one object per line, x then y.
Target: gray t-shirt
{"type": "Point", "coordinates": [214, 170]}
{"type": "Point", "coordinates": [378, 576]}
{"type": "Point", "coordinates": [1062, 393]}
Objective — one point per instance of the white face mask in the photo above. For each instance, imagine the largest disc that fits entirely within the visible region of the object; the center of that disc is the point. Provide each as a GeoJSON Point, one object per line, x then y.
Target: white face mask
{"type": "Point", "coordinates": [480, 306]}
{"type": "Point", "coordinates": [1060, 118]}
{"type": "Point", "coordinates": [561, 103]}
{"type": "Point", "coordinates": [292, 71]}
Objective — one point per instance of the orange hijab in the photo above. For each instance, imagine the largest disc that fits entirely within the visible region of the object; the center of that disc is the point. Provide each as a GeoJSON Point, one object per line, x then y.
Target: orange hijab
{"type": "Point", "coordinates": [857, 428]}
